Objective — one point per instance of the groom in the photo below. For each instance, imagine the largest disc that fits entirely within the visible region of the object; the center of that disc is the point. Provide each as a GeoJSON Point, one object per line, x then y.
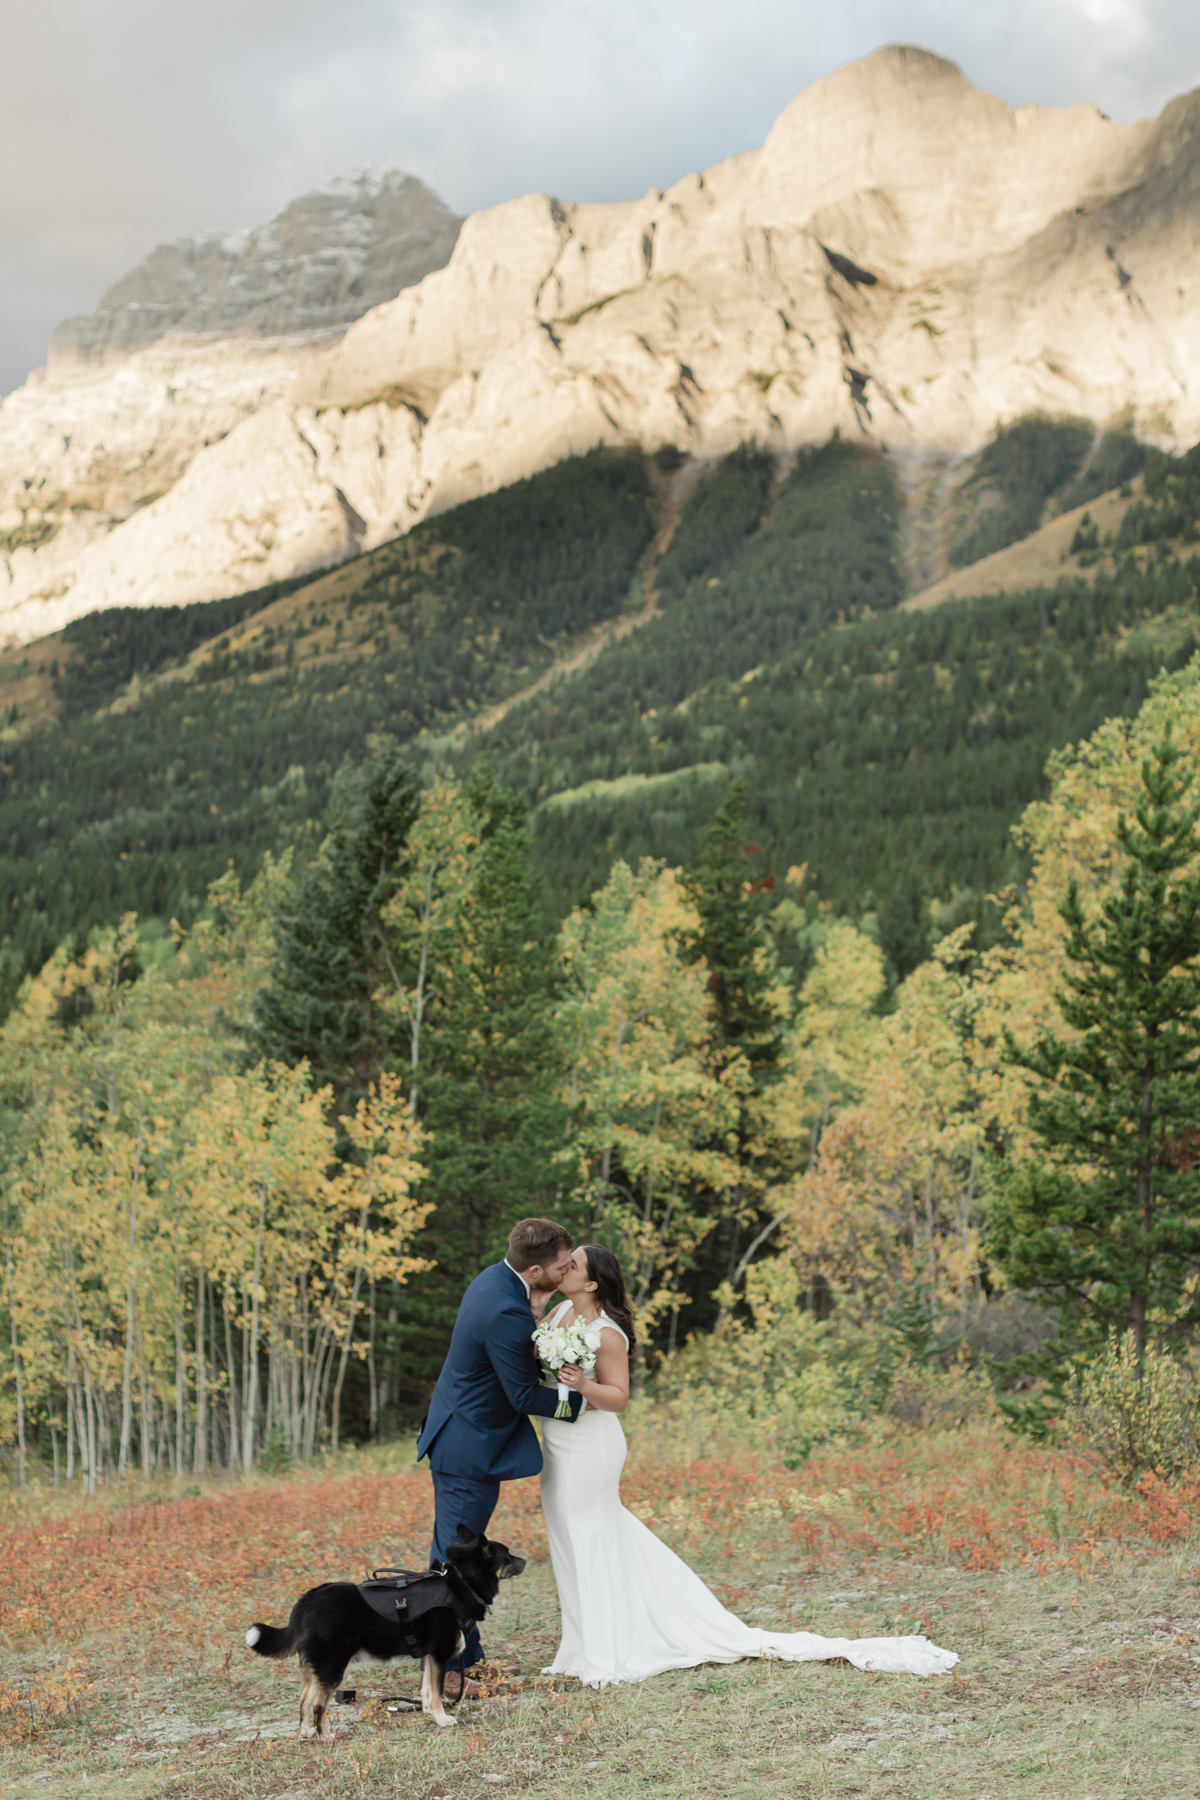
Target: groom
{"type": "Point", "coordinates": [476, 1433]}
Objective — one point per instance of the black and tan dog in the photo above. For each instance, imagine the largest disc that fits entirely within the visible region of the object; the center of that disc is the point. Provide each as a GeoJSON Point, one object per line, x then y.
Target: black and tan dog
{"type": "Point", "coordinates": [335, 1625]}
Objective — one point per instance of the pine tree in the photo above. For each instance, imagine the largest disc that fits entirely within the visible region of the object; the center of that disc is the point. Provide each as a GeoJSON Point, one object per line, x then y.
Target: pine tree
{"type": "Point", "coordinates": [732, 941]}
{"type": "Point", "coordinates": [319, 1001]}
{"type": "Point", "coordinates": [488, 1063]}
{"type": "Point", "coordinates": [1106, 1227]}
{"type": "Point", "coordinates": [745, 1038]}
{"type": "Point", "coordinates": [903, 925]}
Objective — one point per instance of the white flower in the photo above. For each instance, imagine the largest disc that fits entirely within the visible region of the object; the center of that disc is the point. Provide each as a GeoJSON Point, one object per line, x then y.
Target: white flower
{"type": "Point", "coordinates": [575, 1343]}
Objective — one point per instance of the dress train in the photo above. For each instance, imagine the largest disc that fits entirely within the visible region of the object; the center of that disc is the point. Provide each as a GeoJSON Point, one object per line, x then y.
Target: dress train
{"type": "Point", "coordinates": [631, 1608]}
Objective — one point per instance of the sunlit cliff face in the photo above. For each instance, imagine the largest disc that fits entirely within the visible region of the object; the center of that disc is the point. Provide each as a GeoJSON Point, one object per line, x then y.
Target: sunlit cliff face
{"type": "Point", "coordinates": [905, 259]}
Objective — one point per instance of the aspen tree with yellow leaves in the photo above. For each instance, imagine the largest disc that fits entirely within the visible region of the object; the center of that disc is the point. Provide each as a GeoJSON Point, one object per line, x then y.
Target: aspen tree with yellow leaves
{"type": "Point", "coordinates": [894, 1197]}
{"type": "Point", "coordinates": [647, 1114]}
{"type": "Point", "coordinates": [186, 1249]}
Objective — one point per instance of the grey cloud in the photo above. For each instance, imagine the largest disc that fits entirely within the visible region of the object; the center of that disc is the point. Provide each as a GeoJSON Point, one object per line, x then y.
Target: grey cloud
{"type": "Point", "coordinates": [133, 122]}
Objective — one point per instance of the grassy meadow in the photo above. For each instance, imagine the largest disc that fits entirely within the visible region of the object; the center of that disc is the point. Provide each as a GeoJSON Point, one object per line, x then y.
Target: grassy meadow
{"type": "Point", "coordinates": [1074, 1605]}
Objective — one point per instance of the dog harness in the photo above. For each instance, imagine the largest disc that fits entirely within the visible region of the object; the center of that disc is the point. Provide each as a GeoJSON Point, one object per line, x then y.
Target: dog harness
{"type": "Point", "coordinates": [402, 1596]}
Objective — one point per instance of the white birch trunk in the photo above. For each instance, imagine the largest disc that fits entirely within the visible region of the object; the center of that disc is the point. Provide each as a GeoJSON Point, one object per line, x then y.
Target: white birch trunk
{"type": "Point", "coordinates": [200, 1448]}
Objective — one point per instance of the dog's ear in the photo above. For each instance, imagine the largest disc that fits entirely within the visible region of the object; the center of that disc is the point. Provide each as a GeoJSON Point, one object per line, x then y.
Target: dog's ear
{"type": "Point", "coordinates": [467, 1536]}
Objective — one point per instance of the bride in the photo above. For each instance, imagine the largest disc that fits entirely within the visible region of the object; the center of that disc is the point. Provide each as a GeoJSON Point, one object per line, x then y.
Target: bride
{"type": "Point", "coordinates": [630, 1607]}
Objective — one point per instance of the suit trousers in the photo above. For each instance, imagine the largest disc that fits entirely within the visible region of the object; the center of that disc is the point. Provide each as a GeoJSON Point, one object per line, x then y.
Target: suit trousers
{"type": "Point", "coordinates": [459, 1500]}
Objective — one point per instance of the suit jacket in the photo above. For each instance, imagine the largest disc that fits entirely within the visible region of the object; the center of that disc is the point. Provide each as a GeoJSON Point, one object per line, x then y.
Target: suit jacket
{"type": "Point", "coordinates": [478, 1420]}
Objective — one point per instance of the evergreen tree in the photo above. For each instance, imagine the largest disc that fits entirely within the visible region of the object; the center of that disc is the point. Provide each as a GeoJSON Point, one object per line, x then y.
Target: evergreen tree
{"type": "Point", "coordinates": [745, 1040]}
{"type": "Point", "coordinates": [1106, 1228]}
{"type": "Point", "coordinates": [732, 941]}
{"type": "Point", "coordinates": [903, 925]}
{"type": "Point", "coordinates": [488, 1062]}
{"type": "Point", "coordinates": [320, 999]}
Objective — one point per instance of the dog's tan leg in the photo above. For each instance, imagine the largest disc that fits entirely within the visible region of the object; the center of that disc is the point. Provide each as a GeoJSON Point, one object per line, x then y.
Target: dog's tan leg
{"type": "Point", "coordinates": [307, 1698]}
{"type": "Point", "coordinates": [432, 1679]}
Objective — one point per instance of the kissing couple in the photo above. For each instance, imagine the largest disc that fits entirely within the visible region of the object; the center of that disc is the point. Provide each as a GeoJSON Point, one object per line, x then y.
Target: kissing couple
{"type": "Point", "coordinates": [630, 1607]}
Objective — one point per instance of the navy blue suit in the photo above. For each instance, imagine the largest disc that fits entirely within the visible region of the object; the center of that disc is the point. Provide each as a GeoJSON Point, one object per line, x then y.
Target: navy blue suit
{"type": "Point", "coordinates": [476, 1433]}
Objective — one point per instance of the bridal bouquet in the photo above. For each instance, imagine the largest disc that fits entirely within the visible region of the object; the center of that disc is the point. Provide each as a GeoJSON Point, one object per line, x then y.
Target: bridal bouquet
{"type": "Point", "coordinates": [558, 1344]}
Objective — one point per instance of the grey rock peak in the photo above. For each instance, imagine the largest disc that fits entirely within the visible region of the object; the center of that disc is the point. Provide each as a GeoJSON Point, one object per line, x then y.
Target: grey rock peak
{"type": "Point", "coordinates": [320, 264]}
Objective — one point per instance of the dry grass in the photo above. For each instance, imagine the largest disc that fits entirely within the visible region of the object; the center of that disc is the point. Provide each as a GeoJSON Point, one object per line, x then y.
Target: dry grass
{"type": "Point", "coordinates": [1075, 1608]}
{"type": "Point", "coordinates": [1039, 560]}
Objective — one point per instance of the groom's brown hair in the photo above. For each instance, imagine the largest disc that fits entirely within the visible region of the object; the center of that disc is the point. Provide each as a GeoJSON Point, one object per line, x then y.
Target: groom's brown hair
{"type": "Point", "coordinates": [536, 1241]}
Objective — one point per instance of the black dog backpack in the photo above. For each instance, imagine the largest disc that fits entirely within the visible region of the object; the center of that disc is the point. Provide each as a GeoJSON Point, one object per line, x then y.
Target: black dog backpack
{"type": "Point", "coordinates": [402, 1596]}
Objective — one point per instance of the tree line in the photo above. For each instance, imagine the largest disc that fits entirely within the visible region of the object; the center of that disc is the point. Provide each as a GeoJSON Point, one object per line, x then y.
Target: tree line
{"type": "Point", "coordinates": [249, 1166]}
{"type": "Point", "coordinates": [869, 737]}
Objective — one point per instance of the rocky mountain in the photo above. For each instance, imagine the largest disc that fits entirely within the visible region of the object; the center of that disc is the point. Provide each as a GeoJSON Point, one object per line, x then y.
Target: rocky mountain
{"type": "Point", "coordinates": [196, 341]}
{"type": "Point", "coordinates": [324, 261]}
{"type": "Point", "coordinates": [906, 261]}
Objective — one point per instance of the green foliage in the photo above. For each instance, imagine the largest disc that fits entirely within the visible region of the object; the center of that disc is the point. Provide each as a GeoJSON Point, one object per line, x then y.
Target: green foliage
{"type": "Point", "coordinates": [1135, 1412]}
{"type": "Point", "coordinates": [319, 1004]}
{"type": "Point", "coordinates": [926, 1396]}
{"type": "Point", "coordinates": [650, 1145]}
{"type": "Point", "coordinates": [781, 1381]}
{"type": "Point", "coordinates": [893, 753]}
{"type": "Point", "coordinates": [904, 924]}
{"type": "Point", "coordinates": [731, 942]}
{"type": "Point", "coordinates": [1171, 507]}
{"type": "Point", "coordinates": [556, 551]}
{"type": "Point", "coordinates": [725, 508]}
{"type": "Point", "coordinates": [916, 1378]}
{"type": "Point", "coordinates": [1117, 458]}
{"type": "Point", "coordinates": [913, 1318]}
{"type": "Point", "coordinates": [465, 1009]}
{"type": "Point", "coordinates": [489, 1063]}
{"type": "Point", "coordinates": [141, 810]}
{"type": "Point", "coordinates": [1106, 1226]}
{"type": "Point", "coordinates": [828, 552]}
{"type": "Point", "coordinates": [1086, 542]}
{"type": "Point", "coordinates": [1024, 465]}
{"type": "Point", "coordinates": [107, 649]}
{"type": "Point", "coordinates": [730, 938]}
{"type": "Point", "coordinates": [890, 754]}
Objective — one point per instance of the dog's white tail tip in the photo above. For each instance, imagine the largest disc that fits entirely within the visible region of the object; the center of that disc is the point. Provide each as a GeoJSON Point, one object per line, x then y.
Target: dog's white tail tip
{"type": "Point", "coordinates": [252, 1637]}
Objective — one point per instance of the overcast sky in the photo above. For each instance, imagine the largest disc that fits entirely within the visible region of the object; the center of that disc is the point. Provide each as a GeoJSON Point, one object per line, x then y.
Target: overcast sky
{"type": "Point", "coordinates": [130, 121]}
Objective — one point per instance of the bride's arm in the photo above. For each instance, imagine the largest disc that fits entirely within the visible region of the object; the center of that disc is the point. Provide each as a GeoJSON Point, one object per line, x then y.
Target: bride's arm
{"type": "Point", "coordinates": [608, 1389]}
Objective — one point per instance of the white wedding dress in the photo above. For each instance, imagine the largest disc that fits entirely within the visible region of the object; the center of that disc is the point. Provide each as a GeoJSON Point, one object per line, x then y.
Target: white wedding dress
{"type": "Point", "coordinates": [630, 1607]}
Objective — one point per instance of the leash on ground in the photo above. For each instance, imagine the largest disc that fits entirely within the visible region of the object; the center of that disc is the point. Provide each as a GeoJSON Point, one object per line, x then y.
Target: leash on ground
{"type": "Point", "coordinates": [349, 1697]}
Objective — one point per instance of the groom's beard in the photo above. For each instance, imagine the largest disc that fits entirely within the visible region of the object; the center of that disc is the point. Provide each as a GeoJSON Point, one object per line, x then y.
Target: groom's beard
{"type": "Point", "coordinates": [545, 1284]}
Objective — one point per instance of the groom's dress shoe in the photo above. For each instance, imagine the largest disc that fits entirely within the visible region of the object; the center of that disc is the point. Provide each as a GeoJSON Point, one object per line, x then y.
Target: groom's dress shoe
{"type": "Point", "coordinates": [456, 1688]}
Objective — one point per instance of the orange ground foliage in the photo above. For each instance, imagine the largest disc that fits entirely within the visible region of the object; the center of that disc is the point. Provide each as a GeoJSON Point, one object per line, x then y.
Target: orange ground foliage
{"type": "Point", "coordinates": [207, 1566]}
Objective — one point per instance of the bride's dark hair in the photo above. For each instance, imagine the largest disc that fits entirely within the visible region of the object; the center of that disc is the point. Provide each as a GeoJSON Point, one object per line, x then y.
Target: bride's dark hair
{"type": "Point", "coordinates": [604, 1269]}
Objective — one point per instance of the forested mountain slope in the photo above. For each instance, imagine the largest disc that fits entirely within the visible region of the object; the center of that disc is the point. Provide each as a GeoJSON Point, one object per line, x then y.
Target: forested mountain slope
{"type": "Point", "coordinates": [883, 748]}
{"type": "Point", "coordinates": [213, 753]}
